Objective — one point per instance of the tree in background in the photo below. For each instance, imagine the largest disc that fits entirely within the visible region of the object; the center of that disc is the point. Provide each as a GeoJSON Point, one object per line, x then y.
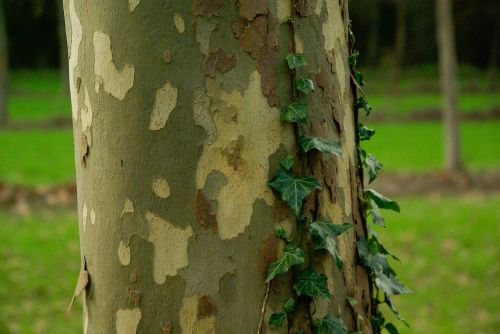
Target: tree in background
{"type": "Point", "coordinates": [400, 39]}
{"type": "Point", "coordinates": [448, 69]}
{"type": "Point", "coordinates": [63, 48]}
{"type": "Point", "coordinates": [4, 63]}
{"type": "Point", "coordinates": [177, 130]}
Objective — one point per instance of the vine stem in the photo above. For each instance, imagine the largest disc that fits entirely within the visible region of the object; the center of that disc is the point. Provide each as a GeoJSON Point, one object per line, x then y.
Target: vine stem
{"type": "Point", "coordinates": [263, 309]}
{"type": "Point", "coordinates": [357, 85]}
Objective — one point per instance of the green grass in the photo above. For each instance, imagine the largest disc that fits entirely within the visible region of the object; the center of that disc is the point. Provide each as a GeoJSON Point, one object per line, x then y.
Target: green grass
{"type": "Point", "coordinates": [411, 147]}
{"type": "Point", "coordinates": [449, 248]}
{"type": "Point", "coordinates": [36, 157]}
{"type": "Point", "coordinates": [40, 263]}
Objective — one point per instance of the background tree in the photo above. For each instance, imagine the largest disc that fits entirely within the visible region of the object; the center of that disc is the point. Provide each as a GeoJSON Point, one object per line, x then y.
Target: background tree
{"type": "Point", "coordinates": [177, 130]}
{"type": "Point", "coordinates": [448, 69]}
{"type": "Point", "coordinates": [4, 81]}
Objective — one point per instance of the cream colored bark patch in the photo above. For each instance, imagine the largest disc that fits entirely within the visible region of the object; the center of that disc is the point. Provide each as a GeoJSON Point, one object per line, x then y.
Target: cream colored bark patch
{"type": "Point", "coordinates": [179, 23]}
{"type": "Point", "coordinates": [117, 83]}
{"type": "Point", "coordinates": [132, 4]}
{"type": "Point", "coordinates": [283, 10]}
{"type": "Point", "coordinates": [86, 116]}
{"type": "Point", "coordinates": [333, 27]}
{"type": "Point", "coordinates": [128, 207]}
{"type": "Point", "coordinates": [319, 7]}
{"type": "Point", "coordinates": [123, 254]}
{"type": "Point", "coordinates": [188, 318]}
{"type": "Point", "coordinates": [165, 102]}
{"type": "Point", "coordinates": [202, 113]}
{"type": "Point", "coordinates": [252, 133]}
{"type": "Point", "coordinates": [127, 320]}
{"type": "Point", "coordinates": [161, 187]}
{"type": "Point", "coordinates": [76, 39]}
{"type": "Point", "coordinates": [299, 46]}
{"type": "Point", "coordinates": [92, 217]}
{"type": "Point", "coordinates": [170, 247]}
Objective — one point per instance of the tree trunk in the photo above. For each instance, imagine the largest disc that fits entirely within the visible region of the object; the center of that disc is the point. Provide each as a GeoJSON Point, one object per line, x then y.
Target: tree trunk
{"type": "Point", "coordinates": [63, 49]}
{"type": "Point", "coordinates": [4, 65]}
{"type": "Point", "coordinates": [400, 40]}
{"type": "Point", "coordinates": [448, 69]}
{"type": "Point", "coordinates": [177, 130]}
{"type": "Point", "coordinates": [372, 42]}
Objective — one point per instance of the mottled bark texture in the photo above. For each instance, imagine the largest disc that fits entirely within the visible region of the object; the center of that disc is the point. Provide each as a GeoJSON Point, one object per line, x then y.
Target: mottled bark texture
{"type": "Point", "coordinates": [448, 67]}
{"type": "Point", "coordinates": [177, 130]}
{"type": "Point", "coordinates": [4, 64]}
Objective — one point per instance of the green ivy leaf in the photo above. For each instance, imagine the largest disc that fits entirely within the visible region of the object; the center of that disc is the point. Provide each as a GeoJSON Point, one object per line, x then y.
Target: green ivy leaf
{"type": "Point", "coordinates": [352, 301]}
{"type": "Point", "coordinates": [359, 78]}
{"type": "Point", "coordinates": [289, 305]}
{"type": "Point", "coordinates": [276, 320]}
{"type": "Point", "coordinates": [365, 133]}
{"type": "Point", "coordinates": [381, 201]}
{"type": "Point", "coordinates": [331, 325]}
{"type": "Point", "coordinates": [377, 218]}
{"type": "Point", "coordinates": [391, 328]}
{"type": "Point", "coordinates": [295, 60]}
{"type": "Point", "coordinates": [304, 85]}
{"type": "Point", "coordinates": [321, 144]}
{"type": "Point", "coordinates": [373, 166]}
{"type": "Point", "coordinates": [353, 59]}
{"type": "Point", "coordinates": [295, 112]}
{"type": "Point", "coordinates": [281, 233]}
{"type": "Point", "coordinates": [313, 284]}
{"type": "Point", "coordinates": [293, 255]}
{"type": "Point", "coordinates": [390, 284]}
{"type": "Point", "coordinates": [293, 189]}
{"type": "Point", "coordinates": [323, 238]}
{"type": "Point", "coordinates": [300, 331]}
{"type": "Point", "coordinates": [377, 321]}
{"type": "Point", "coordinates": [361, 103]}
{"type": "Point", "coordinates": [394, 310]}
{"type": "Point", "coordinates": [288, 162]}
{"type": "Point", "coordinates": [371, 257]}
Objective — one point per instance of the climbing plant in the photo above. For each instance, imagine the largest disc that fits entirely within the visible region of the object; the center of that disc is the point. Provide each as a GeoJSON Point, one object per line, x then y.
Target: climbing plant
{"type": "Point", "coordinates": [294, 187]}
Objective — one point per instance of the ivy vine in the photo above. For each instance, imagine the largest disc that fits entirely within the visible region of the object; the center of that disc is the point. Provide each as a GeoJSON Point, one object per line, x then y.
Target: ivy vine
{"type": "Point", "coordinates": [293, 188]}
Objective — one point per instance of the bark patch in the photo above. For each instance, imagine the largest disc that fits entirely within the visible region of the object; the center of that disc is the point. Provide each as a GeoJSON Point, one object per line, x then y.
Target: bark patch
{"type": "Point", "coordinates": [84, 150]}
{"type": "Point", "coordinates": [251, 8]}
{"type": "Point", "coordinates": [268, 253]}
{"type": "Point", "coordinates": [161, 187]}
{"type": "Point", "coordinates": [220, 60]}
{"type": "Point", "coordinates": [205, 307]}
{"type": "Point", "coordinates": [127, 320]}
{"type": "Point", "coordinates": [204, 217]}
{"type": "Point", "coordinates": [165, 102]}
{"type": "Point", "coordinates": [207, 8]}
{"type": "Point", "coordinates": [76, 39]}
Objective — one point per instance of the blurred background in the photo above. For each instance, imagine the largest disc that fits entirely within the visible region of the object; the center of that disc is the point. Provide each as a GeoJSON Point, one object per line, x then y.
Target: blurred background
{"type": "Point", "coordinates": [446, 235]}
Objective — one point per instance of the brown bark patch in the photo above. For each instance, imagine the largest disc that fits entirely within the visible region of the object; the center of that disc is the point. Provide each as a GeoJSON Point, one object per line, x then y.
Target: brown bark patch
{"type": "Point", "coordinates": [205, 307]}
{"type": "Point", "coordinates": [84, 150]}
{"type": "Point", "coordinates": [134, 296]}
{"type": "Point", "coordinates": [301, 7]}
{"type": "Point", "coordinates": [259, 41]}
{"type": "Point", "coordinates": [239, 27]}
{"type": "Point", "coordinates": [220, 60]}
{"type": "Point", "coordinates": [281, 211]}
{"type": "Point", "coordinates": [233, 153]}
{"type": "Point", "coordinates": [166, 327]}
{"type": "Point", "coordinates": [207, 8]}
{"type": "Point", "coordinates": [134, 276]}
{"type": "Point", "coordinates": [204, 217]}
{"type": "Point", "coordinates": [324, 81]}
{"type": "Point", "coordinates": [268, 253]}
{"type": "Point", "coordinates": [251, 8]}
{"type": "Point", "coordinates": [167, 56]}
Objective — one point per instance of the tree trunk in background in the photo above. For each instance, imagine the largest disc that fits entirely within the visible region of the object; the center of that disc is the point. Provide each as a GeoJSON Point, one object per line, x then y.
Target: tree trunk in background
{"type": "Point", "coordinates": [177, 130]}
{"type": "Point", "coordinates": [400, 39]}
{"type": "Point", "coordinates": [4, 68]}
{"type": "Point", "coordinates": [448, 69]}
{"type": "Point", "coordinates": [63, 49]}
{"type": "Point", "coordinates": [373, 32]}
{"type": "Point", "coordinates": [493, 58]}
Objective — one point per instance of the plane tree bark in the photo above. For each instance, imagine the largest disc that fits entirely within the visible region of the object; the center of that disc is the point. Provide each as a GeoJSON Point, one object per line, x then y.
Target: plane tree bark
{"type": "Point", "coordinates": [176, 118]}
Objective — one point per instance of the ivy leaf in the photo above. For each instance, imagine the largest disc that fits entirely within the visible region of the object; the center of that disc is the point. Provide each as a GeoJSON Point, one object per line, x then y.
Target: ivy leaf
{"type": "Point", "coordinates": [359, 78]}
{"type": "Point", "coordinates": [390, 284]}
{"type": "Point", "coordinates": [293, 189]}
{"type": "Point", "coordinates": [381, 201]}
{"type": "Point", "coordinates": [391, 328]}
{"type": "Point", "coordinates": [276, 320]}
{"type": "Point", "coordinates": [377, 218]}
{"type": "Point", "coordinates": [295, 60]}
{"type": "Point", "coordinates": [331, 325]}
{"type": "Point", "coordinates": [353, 59]}
{"type": "Point", "coordinates": [281, 233]}
{"type": "Point", "coordinates": [295, 112]}
{"type": "Point", "coordinates": [288, 162]}
{"type": "Point", "coordinates": [365, 133]}
{"type": "Point", "coordinates": [289, 305]}
{"type": "Point", "coordinates": [304, 85]}
{"type": "Point", "coordinates": [323, 238]}
{"type": "Point", "coordinates": [373, 166]}
{"type": "Point", "coordinates": [371, 257]}
{"type": "Point", "coordinates": [352, 301]}
{"type": "Point", "coordinates": [293, 255]}
{"type": "Point", "coordinates": [361, 103]}
{"type": "Point", "coordinates": [361, 152]}
{"type": "Point", "coordinates": [321, 144]}
{"type": "Point", "coordinates": [313, 284]}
